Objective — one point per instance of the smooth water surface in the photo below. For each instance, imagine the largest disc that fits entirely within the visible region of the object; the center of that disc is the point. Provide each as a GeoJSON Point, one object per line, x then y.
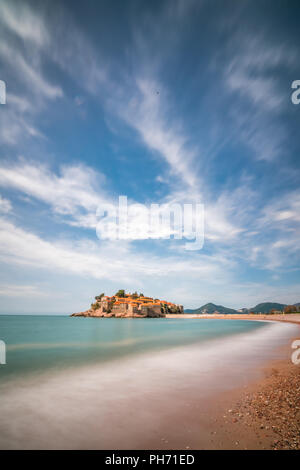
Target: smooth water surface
{"type": "Point", "coordinates": [36, 343]}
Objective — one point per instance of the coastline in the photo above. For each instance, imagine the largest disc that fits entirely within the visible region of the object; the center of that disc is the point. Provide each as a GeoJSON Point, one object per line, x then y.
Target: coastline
{"type": "Point", "coordinates": [287, 318]}
{"type": "Point", "coordinates": [265, 414]}
{"type": "Point", "coordinates": [244, 418]}
{"type": "Point", "coordinates": [262, 415]}
{"type": "Point", "coordinates": [174, 399]}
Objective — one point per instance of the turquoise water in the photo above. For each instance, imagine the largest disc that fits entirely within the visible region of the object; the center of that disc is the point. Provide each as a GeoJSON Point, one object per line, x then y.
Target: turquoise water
{"type": "Point", "coordinates": [39, 343]}
{"type": "Point", "coordinates": [91, 383]}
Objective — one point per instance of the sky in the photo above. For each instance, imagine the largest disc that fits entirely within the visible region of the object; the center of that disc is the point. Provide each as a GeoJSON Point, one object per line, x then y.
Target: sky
{"type": "Point", "coordinates": [165, 102]}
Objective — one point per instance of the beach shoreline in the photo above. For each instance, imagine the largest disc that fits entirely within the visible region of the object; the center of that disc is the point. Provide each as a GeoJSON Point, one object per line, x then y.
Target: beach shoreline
{"type": "Point", "coordinates": [262, 415]}
{"type": "Point", "coordinates": [266, 413]}
{"type": "Point", "coordinates": [173, 399]}
{"type": "Point", "coordinates": [287, 318]}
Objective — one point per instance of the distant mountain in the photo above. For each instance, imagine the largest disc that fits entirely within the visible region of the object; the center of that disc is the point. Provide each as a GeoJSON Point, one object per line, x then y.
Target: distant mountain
{"type": "Point", "coordinates": [265, 307]}
{"type": "Point", "coordinates": [243, 310]}
{"type": "Point", "coordinates": [211, 308]}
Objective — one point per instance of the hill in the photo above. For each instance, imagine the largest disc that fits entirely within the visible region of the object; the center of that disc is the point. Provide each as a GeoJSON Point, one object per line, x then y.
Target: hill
{"type": "Point", "coordinates": [265, 307]}
{"type": "Point", "coordinates": [211, 308]}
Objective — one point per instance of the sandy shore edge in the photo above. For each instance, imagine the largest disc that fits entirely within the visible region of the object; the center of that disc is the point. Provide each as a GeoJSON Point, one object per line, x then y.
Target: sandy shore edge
{"type": "Point", "coordinates": [263, 415]}
{"type": "Point", "coordinates": [290, 318]}
{"type": "Point", "coordinates": [254, 416]}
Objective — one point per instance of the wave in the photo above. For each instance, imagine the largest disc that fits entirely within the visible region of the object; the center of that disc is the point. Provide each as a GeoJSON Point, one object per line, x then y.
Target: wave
{"type": "Point", "coordinates": [121, 403]}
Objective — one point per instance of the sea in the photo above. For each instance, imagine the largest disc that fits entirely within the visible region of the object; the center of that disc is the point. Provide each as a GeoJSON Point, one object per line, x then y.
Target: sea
{"type": "Point", "coordinates": [75, 382]}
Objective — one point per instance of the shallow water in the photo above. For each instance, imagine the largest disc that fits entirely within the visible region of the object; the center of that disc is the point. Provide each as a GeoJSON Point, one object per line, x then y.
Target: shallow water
{"type": "Point", "coordinates": [122, 383]}
{"type": "Point", "coordinates": [37, 343]}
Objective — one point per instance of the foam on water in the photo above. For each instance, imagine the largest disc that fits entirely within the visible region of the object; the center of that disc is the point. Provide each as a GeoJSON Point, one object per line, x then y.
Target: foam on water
{"type": "Point", "coordinates": [117, 404]}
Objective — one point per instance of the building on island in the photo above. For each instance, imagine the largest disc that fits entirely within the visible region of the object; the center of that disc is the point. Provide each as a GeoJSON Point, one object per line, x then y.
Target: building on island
{"type": "Point", "coordinates": [130, 305]}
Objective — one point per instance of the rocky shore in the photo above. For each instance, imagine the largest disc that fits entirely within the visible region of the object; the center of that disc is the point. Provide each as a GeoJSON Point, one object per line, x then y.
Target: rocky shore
{"type": "Point", "coordinates": [100, 313]}
{"type": "Point", "coordinates": [122, 305]}
{"type": "Point", "coordinates": [272, 409]}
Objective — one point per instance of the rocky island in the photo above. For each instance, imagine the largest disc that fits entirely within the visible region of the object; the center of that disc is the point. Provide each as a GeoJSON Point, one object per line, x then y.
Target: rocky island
{"type": "Point", "coordinates": [122, 305]}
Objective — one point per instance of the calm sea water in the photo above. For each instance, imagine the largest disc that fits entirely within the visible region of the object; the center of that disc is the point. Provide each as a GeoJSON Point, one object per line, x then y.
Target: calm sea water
{"type": "Point", "coordinates": [37, 343]}
{"type": "Point", "coordinates": [90, 383]}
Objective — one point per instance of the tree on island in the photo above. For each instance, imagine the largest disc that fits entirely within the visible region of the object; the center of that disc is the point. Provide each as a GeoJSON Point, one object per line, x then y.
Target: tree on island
{"type": "Point", "coordinates": [120, 293]}
{"type": "Point", "coordinates": [99, 297]}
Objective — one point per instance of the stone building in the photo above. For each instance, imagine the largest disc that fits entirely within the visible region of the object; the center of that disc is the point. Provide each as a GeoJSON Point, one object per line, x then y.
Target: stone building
{"type": "Point", "coordinates": [130, 305]}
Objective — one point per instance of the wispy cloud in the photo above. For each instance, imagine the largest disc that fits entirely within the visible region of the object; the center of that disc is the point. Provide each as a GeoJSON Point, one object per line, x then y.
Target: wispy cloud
{"type": "Point", "coordinates": [5, 205]}
{"type": "Point", "coordinates": [21, 290]}
{"type": "Point", "coordinates": [22, 21]}
{"type": "Point", "coordinates": [249, 72]}
{"type": "Point", "coordinates": [146, 111]}
{"type": "Point", "coordinates": [76, 192]}
{"type": "Point", "coordinates": [252, 74]}
{"type": "Point", "coordinates": [97, 260]}
{"type": "Point", "coordinates": [245, 223]}
{"type": "Point", "coordinates": [28, 89]}
{"type": "Point", "coordinates": [280, 211]}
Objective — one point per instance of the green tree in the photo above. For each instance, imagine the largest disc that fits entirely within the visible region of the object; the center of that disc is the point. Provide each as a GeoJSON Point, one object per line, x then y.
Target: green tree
{"type": "Point", "coordinates": [120, 293]}
{"type": "Point", "coordinates": [99, 297]}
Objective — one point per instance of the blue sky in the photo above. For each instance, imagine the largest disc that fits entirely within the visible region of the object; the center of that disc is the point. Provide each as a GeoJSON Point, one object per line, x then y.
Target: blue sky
{"type": "Point", "coordinates": [161, 101]}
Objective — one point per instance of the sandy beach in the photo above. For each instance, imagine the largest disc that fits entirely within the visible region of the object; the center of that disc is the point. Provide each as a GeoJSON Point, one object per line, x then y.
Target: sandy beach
{"type": "Point", "coordinates": [266, 413]}
{"type": "Point", "coordinates": [289, 318]}
{"type": "Point", "coordinates": [149, 172]}
{"type": "Point", "coordinates": [210, 396]}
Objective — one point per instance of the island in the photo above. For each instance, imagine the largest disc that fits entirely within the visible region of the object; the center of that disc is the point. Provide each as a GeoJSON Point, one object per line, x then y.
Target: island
{"type": "Point", "coordinates": [122, 305]}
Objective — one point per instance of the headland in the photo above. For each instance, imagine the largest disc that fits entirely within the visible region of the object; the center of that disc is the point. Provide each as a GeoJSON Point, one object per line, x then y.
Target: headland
{"type": "Point", "coordinates": [129, 305]}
